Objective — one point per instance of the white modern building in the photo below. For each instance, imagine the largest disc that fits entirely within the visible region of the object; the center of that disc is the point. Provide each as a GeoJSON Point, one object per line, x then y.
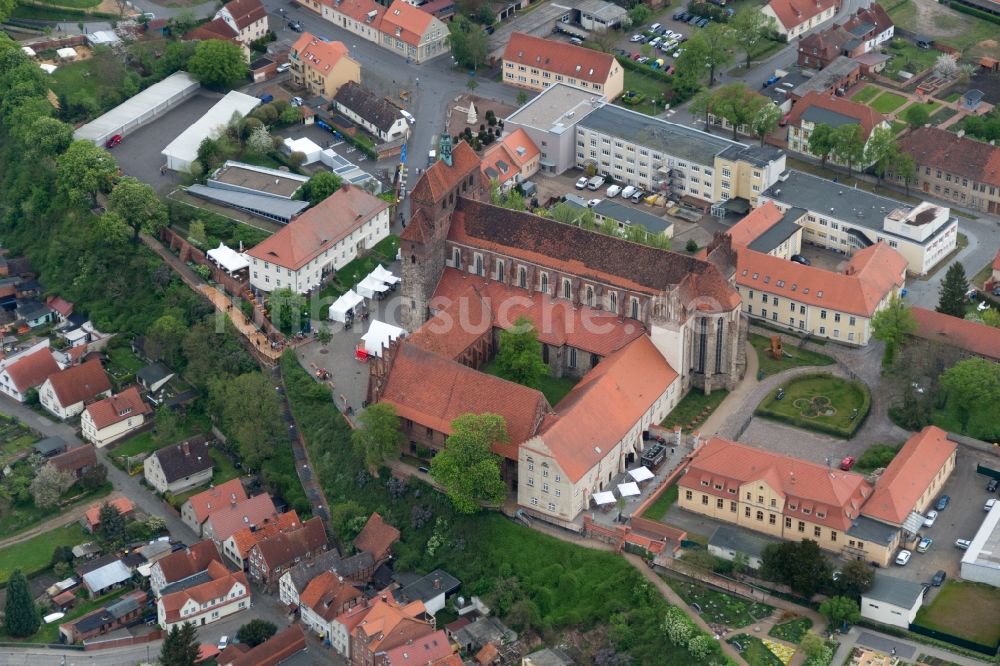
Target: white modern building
{"type": "Point", "coordinates": [981, 562]}
{"type": "Point", "coordinates": [892, 601]}
{"type": "Point", "coordinates": [183, 150]}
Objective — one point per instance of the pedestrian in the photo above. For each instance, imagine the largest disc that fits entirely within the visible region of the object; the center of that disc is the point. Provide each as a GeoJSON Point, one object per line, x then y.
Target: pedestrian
{"type": "Point", "coordinates": [892, 651]}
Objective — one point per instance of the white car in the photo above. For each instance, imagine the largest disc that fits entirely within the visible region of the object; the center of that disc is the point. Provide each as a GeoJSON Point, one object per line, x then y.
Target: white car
{"type": "Point", "coordinates": [677, 53]}
{"type": "Point", "coordinates": [407, 116]}
{"type": "Point", "coordinates": [962, 544]}
{"type": "Point", "coordinates": [614, 191]}
{"type": "Point", "coordinates": [223, 642]}
{"type": "Point", "coordinates": [903, 557]}
{"type": "Point", "coordinates": [593, 202]}
{"type": "Point", "coordinates": [990, 503]}
{"type": "Point", "coordinates": [283, 67]}
{"type": "Point", "coordinates": [581, 182]}
{"type": "Point", "coordinates": [297, 101]}
{"type": "Point", "coordinates": [636, 38]}
{"type": "Point", "coordinates": [930, 518]}
{"type": "Point", "coordinates": [628, 192]}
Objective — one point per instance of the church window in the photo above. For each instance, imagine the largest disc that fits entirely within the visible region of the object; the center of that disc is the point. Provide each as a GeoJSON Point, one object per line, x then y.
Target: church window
{"type": "Point", "coordinates": [499, 270]}
{"type": "Point", "coordinates": [567, 289]}
{"type": "Point", "coordinates": [718, 348]}
{"type": "Point", "coordinates": [522, 277]}
{"type": "Point", "coordinates": [590, 295]}
{"type": "Point", "coordinates": [635, 308]}
{"type": "Point", "coordinates": [457, 257]}
{"type": "Point", "coordinates": [613, 301]}
{"type": "Point", "coordinates": [544, 283]}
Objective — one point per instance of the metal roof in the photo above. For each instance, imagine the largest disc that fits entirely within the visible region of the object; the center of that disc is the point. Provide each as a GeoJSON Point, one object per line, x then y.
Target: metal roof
{"type": "Point", "coordinates": [129, 112]}
{"type": "Point", "coordinates": [556, 109]}
{"type": "Point", "coordinates": [985, 548]}
{"type": "Point", "coordinates": [820, 116]}
{"type": "Point", "coordinates": [621, 213]}
{"type": "Point", "coordinates": [826, 77]}
{"type": "Point", "coordinates": [867, 529]}
{"type": "Point", "coordinates": [429, 586]}
{"type": "Point", "coordinates": [185, 146]}
{"type": "Point", "coordinates": [740, 541]}
{"type": "Point", "coordinates": [894, 591]}
{"type": "Point", "coordinates": [108, 575]}
{"type": "Point", "coordinates": [258, 204]}
{"type": "Point", "coordinates": [779, 232]}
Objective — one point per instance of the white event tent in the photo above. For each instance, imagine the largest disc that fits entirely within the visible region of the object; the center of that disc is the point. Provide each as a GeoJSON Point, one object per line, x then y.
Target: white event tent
{"type": "Point", "coordinates": [229, 259]}
{"type": "Point", "coordinates": [602, 498]}
{"type": "Point", "coordinates": [628, 489]}
{"type": "Point", "coordinates": [384, 275]}
{"type": "Point", "coordinates": [379, 335]}
{"type": "Point", "coordinates": [344, 304]}
{"type": "Point", "coordinates": [371, 286]}
{"type": "Point", "coordinates": [641, 474]}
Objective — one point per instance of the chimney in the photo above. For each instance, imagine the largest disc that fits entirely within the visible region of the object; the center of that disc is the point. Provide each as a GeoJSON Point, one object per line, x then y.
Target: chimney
{"type": "Point", "coordinates": [385, 598]}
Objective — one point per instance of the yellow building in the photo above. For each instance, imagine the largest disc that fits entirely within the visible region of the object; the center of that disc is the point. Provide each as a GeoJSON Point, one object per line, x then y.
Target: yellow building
{"type": "Point", "coordinates": [322, 67]}
{"type": "Point", "coordinates": [536, 63]}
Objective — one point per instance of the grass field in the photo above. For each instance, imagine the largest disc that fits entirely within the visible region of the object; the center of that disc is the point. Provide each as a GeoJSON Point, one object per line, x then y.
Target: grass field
{"type": "Point", "coordinates": [897, 126]}
{"type": "Point", "coordinates": [819, 402]}
{"type": "Point", "coordinates": [35, 554]}
{"type": "Point", "coordinates": [983, 424]}
{"type": "Point", "coordinates": [718, 607]}
{"type": "Point", "coordinates": [887, 102]}
{"type": "Point", "coordinates": [866, 94]}
{"type": "Point", "coordinates": [792, 631]}
{"type": "Point", "coordinates": [931, 106]}
{"type": "Point", "coordinates": [553, 388]}
{"type": "Point", "coordinates": [953, 97]}
{"type": "Point", "coordinates": [647, 85]}
{"type": "Point", "coordinates": [72, 4]}
{"type": "Point", "coordinates": [949, 612]}
{"type": "Point", "coordinates": [694, 408]}
{"type": "Point", "coordinates": [794, 357]}
{"type": "Point", "coordinates": [754, 650]}
{"type": "Point", "coordinates": [969, 34]}
{"type": "Point", "coordinates": [659, 508]}
{"type": "Point", "coordinates": [54, 13]}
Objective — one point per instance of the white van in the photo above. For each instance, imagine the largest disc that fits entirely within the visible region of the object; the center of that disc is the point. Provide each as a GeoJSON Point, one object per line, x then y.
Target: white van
{"type": "Point", "coordinates": [613, 191]}
{"type": "Point", "coordinates": [595, 183]}
{"type": "Point", "coordinates": [628, 191]}
{"type": "Point", "coordinates": [654, 27]}
{"type": "Point", "coordinates": [408, 116]}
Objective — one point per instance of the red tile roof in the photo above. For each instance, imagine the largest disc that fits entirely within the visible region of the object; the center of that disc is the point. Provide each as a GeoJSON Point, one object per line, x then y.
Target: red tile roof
{"type": "Point", "coordinates": [908, 476]}
{"type": "Point", "coordinates": [406, 22]}
{"type": "Point", "coordinates": [979, 339]}
{"type": "Point", "coordinates": [231, 517]}
{"type": "Point", "coordinates": [508, 156]}
{"type": "Point", "coordinates": [964, 156]}
{"type": "Point", "coordinates": [604, 406]}
{"type": "Point", "coordinates": [207, 501]}
{"type": "Point", "coordinates": [866, 116]}
{"type": "Point", "coordinates": [319, 228]}
{"type": "Point", "coordinates": [825, 45]}
{"type": "Point", "coordinates": [60, 305]}
{"type": "Point", "coordinates": [836, 495]}
{"type": "Point", "coordinates": [871, 275]}
{"type": "Point", "coordinates": [358, 10]}
{"type": "Point", "coordinates": [873, 15]}
{"type": "Point", "coordinates": [214, 29]}
{"type": "Point", "coordinates": [275, 650]}
{"type": "Point", "coordinates": [487, 655]}
{"type": "Point", "coordinates": [389, 624]}
{"type": "Point", "coordinates": [93, 514]}
{"type": "Point", "coordinates": [31, 370]}
{"type": "Point", "coordinates": [376, 537]}
{"type": "Point", "coordinates": [117, 408]}
{"type": "Point", "coordinates": [439, 178]}
{"type": "Point", "coordinates": [188, 562]}
{"type": "Point", "coordinates": [319, 55]}
{"type": "Point", "coordinates": [246, 12]}
{"type": "Point", "coordinates": [756, 223]}
{"type": "Point", "coordinates": [424, 650]}
{"type": "Point", "coordinates": [792, 13]}
{"type": "Point", "coordinates": [559, 57]}
{"type": "Point", "coordinates": [327, 594]}
{"type": "Point", "coordinates": [457, 390]}
{"type": "Point", "coordinates": [287, 547]}
{"type": "Point", "coordinates": [246, 538]}
{"type": "Point", "coordinates": [76, 459]}
{"type": "Point", "coordinates": [222, 582]}
{"type": "Point", "coordinates": [79, 383]}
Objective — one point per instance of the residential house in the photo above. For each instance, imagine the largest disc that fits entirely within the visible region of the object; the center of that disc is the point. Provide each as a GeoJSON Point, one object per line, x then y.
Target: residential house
{"type": "Point", "coordinates": [33, 313]}
{"type": "Point", "coordinates": [360, 17]}
{"type": "Point", "coordinates": [536, 63]}
{"type": "Point", "coordinates": [225, 520]}
{"type": "Point", "coordinates": [379, 625]}
{"type": "Point", "coordinates": [196, 510]}
{"type": "Point", "coordinates": [237, 547]}
{"type": "Point", "coordinates": [356, 569]}
{"type": "Point", "coordinates": [376, 538]}
{"type": "Point", "coordinates": [511, 161]}
{"type": "Point", "coordinates": [954, 167]}
{"type": "Point", "coordinates": [272, 556]}
{"type": "Point", "coordinates": [376, 114]}
{"type": "Point", "coordinates": [223, 594]}
{"type": "Point", "coordinates": [61, 308]}
{"type": "Point", "coordinates": [796, 17]}
{"type": "Point", "coordinates": [247, 18]}
{"type": "Point", "coordinates": [155, 551]}
{"type": "Point", "coordinates": [434, 649]}
{"type": "Point", "coordinates": [183, 567]}
{"type": "Point", "coordinates": [818, 49]}
{"type": "Point", "coordinates": [871, 26]}
{"type": "Point", "coordinates": [154, 377]}
{"type": "Point", "coordinates": [76, 461]}
{"type": "Point", "coordinates": [104, 579]}
{"type": "Point", "coordinates": [820, 109]}
{"type": "Point", "coordinates": [91, 519]}
{"type": "Point", "coordinates": [114, 417]}
{"type": "Point", "coordinates": [770, 230]}
{"type": "Point", "coordinates": [402, 28]}
{"type": "Point", "coordinates": [322, 67]}
{"type": "Point", "coordinates": [834, 79]}
{"type": "Point", "coordinates": [26, 371]}
{"type": "Point", "coordinates": [973, 337]}
{"type": "Point", "coordinates": [321, 240]}
{"type": "Point", "coordinates": [484, 631]}
{"type": "Point", "coordinates": [846, 220]}
{"type": "Point", "coordinates": [893, 601]}
{"type": "Point", "coordinates": [323, 599]}
{"type": "Point", "coordinates": [814, 301]}
{"type": "Point", "coordinates": [218, 29]}
{"type": "Point", "coordinates": [65, 393]}
{"type": "Point", "coordinates": [113, 615]}
{"type": "Point", "coordinates": [278, 648]}
{"type": "Point", "coordinates": [432, 589]}
{"type": "Point", "coordinates": [179, 467]}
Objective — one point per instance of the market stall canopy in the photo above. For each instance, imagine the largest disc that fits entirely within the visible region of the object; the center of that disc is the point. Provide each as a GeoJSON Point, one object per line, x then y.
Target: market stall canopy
{"type": "Point", "coordinates": [628, 489]}
{"type": "Point", "coordinates": [640, 474]}
{"type": "Point", "coordinates": [231, 260]}
{"type": "Point", "coordinates": [344, 304]}
{"type": "Point", "coordinates": [384, 275]}
{"type": "Point", "coordinates": [371, 286]}
{"type": "Point", "coordinates": [600, 499]}
{"type": "Point", "coordinates": [379, 335]}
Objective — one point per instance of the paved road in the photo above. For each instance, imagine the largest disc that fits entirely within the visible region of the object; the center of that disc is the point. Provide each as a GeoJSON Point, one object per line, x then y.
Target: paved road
{"type": "Point", "coordinates": [904, 649]}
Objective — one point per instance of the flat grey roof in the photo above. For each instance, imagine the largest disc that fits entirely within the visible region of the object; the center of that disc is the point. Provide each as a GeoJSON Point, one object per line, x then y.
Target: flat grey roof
{"type": "Point", "coordinates": [601, 9]}
{"type": "Point", "coordinates": [741, 541]}
{"type": "Point", "coordinates": [985, 548]}
{"type": "Point", "coordinates": [429, 586]}
{"type": "Point", "coordinates": [894, 591]}
{"type": "Point", "coordinates": [819, 116]}
{"type": "Point", "coordinates": [262, 179]}
{"type": "Point", "coordinates": [129, 112]}
{"type": "Point", "coordinates": [781, 231]}
{"type": "Point", "coordinates": [556, 109]}
{"type": "Point", "coordinates": [826, 77]}
{"type": "Point", "coordinates": [628, 215]}
{"type": "Point", "coordinates": [670, 138]}
{"type": "Point", "coordinates": [261, 204]}
{"type": "Point", "coordinates": [754, 154]}
{"type": "Point", "coordinates": [866, 529]}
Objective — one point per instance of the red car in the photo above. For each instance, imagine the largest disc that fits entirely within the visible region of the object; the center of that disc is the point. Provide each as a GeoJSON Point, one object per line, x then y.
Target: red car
{"type": "Point", "coordinates": [113, 141]}
{"type": "Point", "coordinates": [636, 56]}
{"type": "Point", "coordinates": [847, 463]}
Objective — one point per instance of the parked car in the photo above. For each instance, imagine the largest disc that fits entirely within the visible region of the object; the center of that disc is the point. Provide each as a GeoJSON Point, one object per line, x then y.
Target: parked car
{"type": "Point", "coordinates": [938, 578]}
{"type": "Point", "coordinates": [990, 503]}
{"type": "Point", "coordinates": [655, 27]}
{"type": "Point", "coordinates": [643, 60]}
{"type": "Point", "coordinates": [581, 182]}
{"type": "Point", "coordinates": [595, 183]}
{"type": "Point", "coordinates": [942, 502]}
{"type": "Point", "coordinates": [677, 15]}
{"type": "Point", "coordinates": [297, 101]}
{"type": "Point", "coordinates": [771, 81]}
{"type": "Point", "coordinates": [693, 20]}
{"type": "Point", "coordinates": [113, 141]}
{"type": "Point", "coordinates": [407, 116]}
{"type": "Point", "coordinates": [636, 56]}
{"type": "Point", "coordinates": [266, 97]}
{"type": "Point", "coordinates": [685, 17]}
{"type": "Point", "coordinates": [703, 22]}
{"type": "Point", "coordinates": [223, 642]}
{"type": "Point", "coordinates": [637, 38]}
{"type": "Point", "coordinates": [614, 191]}
{"type": "Point", "coordinates": [924, 544]}
{"type": "Point", "coordinates": [930, 518]}
{"type": "Point", "coordinates": [903, 557]}
{"type": "Point", "coordinates": [576, 41]}
{"type": "Point", "coordinates": [593, 202]}
{"type": "Point", "coordinates": [991, 487]}
{"type": "Point", "coordinates": [962, 544]}
{"type": "Point", "coordinates": [628, 191]}
{"type": "Point", "coordinates": [295, 26]}
{"type": "Point", "coordinates": [283, 67]}
{"type": "Point", "coordinates": [638, 196]}
{"type": "Point", "coordinates": [847, 463]}
{"type": "Point", "coordinates": [799, 259]}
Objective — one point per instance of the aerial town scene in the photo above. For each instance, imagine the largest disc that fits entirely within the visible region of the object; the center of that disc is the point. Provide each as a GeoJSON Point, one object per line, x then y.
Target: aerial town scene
{"type": "Point", "coordinates": [500, 332]}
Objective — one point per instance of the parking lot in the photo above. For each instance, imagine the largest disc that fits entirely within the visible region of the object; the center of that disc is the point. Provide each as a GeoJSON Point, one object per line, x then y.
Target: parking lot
{"type": "Point", "coordinates": [666, 21]}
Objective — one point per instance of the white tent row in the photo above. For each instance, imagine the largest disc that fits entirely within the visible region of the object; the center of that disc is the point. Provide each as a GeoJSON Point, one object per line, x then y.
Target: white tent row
{"type": "Point", "coordinates": [641, 474]}
{"type": "Point", "coordinates": [379, 335]}
{"type": "Point", "coordinates": [228, 258]}
{"type": "Point", "coordinates": [602, 498]}
{"type": "Point", "coordinates": [344, 304]}
{"type": "Point", "coordinates": [380, 273]}
{"type": "Point", "coordinates": [628, 489]}
{"type": "Point", "coordinates": [371, 286]}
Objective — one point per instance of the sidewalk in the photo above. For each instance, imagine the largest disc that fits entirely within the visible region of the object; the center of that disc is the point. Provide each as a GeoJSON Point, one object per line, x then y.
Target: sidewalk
{"type": "Point", "coordinates": [736, 398]}
{"type": "Point", "coordinates": [908, 650]}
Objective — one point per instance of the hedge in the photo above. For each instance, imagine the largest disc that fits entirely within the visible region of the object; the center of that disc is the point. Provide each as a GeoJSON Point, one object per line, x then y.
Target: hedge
{"type": "Point", "coordinates": [808, 424]}
{"type": "Point", "coordinates": [972, 11]}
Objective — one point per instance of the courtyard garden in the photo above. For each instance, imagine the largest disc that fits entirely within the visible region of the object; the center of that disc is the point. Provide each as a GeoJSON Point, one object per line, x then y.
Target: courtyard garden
{"type": "Point", "coordinates": [15, 437]}
{"type": "Point", "coordinates": [719, 607]}
{"type": "Point", "coordinates": [820, 402]}
{"type": "Point", "coordinates": [658, 509]}
{"type": "Point", "coordinates": [948, 613]}
{"type": "Point", "coordinates": [353, 272]}
{"type": "Point", "coordinates": [792, 356]}
{"type": "Point", "coordinates": [792, 631]}
{"type": "Point", "coordinates": [887, 102]}
{"type": "Point", "coordinates": [754, 651]}
{"type": "Point", "coordinates": [553, 388]}
{"type": "Point", "coordinates": [694, 409]}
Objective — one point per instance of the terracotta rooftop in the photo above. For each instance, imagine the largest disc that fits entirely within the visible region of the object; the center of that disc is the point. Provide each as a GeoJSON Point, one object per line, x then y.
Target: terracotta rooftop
{"type": "Point", "coordinates": [831, 497]}
{"type": "Point", "coordinates": [503, 160]}
{"type": "Point", "coordinates": [76, 459]}
{"type": "Point", "coordinates": [874, 17]}
{"type": "Point", "coordinates": [246, 12]}
{"type": "Point", "coordinates": [440, 178]}
{"type": "Point", "coordinates": [117, 408]}
{"type": "Point", "coordinates": [825, 44]}
{"type": "Point", "coordinates": [429, 649]}
{"type": "Point", "coordinates": [319, 55]}
{"type": "Point", "coordinates": [758, 221]}
{"type": "Point", "coordinates": [79, 383]}
{"type": "Point", "coordinates": [219, 587]}
{"type": "Point", "coordinates": [188, 562]}
{"type": "Point", "coordinates": [376, 537]}
{"type": "Point", "coordinates": [246, 537]}
{"type": "Point", "coordinates": [358, 10]}
{"type": "Point", "coordinates": [319, 228]}
{"type": "Point", "coordinates": [215, 29]}
{"type": "Point", "coordinates": [93, 514]}
{"type": "Point", "coordinates": [871, 275]}
{"type": "Point", "coordinates": [224, 494]}
{"type": "Point", "coordinates": [791, 13]}
{"type": "Point", "coordinates": [964, 156]}
{"type": "Point", "coordinates": [909, 475]}
{"type": "Point", "coordinates": [604, 406]}
{"type": "Point", "coordinates": [974, 337]}
{"type": "Point", "coordinates": [406, 22]}
{"type": "Point", "coordinates": [31, 370]}
{"type": "Point", "coordinates": [389, 624]}
{"type": "Point", "coordinates": [274, 650]}
{"type": "Point", "coordinates": [229, 518]}
{"type": "Point", "coordinates": [60, 305]}
{"type": "Point", "coordinates": [863, 114]}
{"type": "Point", "coordinates": [327, 593]}
{"type": "Point", "coordinates": [559, 57]}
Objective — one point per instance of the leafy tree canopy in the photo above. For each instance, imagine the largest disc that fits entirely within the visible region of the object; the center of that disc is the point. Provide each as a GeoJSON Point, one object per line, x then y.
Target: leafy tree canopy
{"type": "Point", "coordinates": [467, 467]}
{"type": "Point", "coordinates": [218, 64]}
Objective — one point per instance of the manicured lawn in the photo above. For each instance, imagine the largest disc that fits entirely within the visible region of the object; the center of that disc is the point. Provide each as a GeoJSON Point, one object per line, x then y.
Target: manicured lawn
{"type": "Point", "coordinates": [820, 402]}
{"type": "Point", "coordinates": [950, 612]}
{"type": "Point", "coordinates": [144, 442]}
{"type": "Point", "coordinates": [35, 553]}
{"type": "Point", "coordinates": [983, 424]}
{"type": "Point", "coordinates": [224, 467]}
{"type": "Point", "coordinates": [718, 607]}
{"type": "Point", "coordinates": [123, 364]}
{"type": "Point", "coordinates": [792, 357]}
{"type": "Point", "coordinates": [659, 508]}
{"type": "Point", "coordinates": [887, 102]}
{"type": "Point", "coordinates": [648, 86]}
{"type": "Point", "coordinates": [866, 94]}
{"type": "Point", "coordinates": [694, 408]}
{"type": "Point", "coordinates": [931, 106]}
{"type": "Point", "coordinates": [792, 631]}
{"type": "Point", "coordinates": [754, 650]}
{"type": "Point", "coordinates": [897, 126]}
{"type": "Point", "coordinates": [553, 388]}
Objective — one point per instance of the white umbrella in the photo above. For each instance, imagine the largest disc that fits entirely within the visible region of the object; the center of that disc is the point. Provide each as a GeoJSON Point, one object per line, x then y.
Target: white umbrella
{"type": "Point", "coordinates": [641, 474]}
{"type": "Point", "coordinates": [628, 489]}
{"type": "Point", "coordinates": [600, 499]}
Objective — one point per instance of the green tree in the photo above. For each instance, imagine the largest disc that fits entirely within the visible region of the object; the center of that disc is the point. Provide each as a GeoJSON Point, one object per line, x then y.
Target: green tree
{"type": "Point", "coordinates": [991, 318]}
{"type": "Point", "coordinates": [111, 527]}
{"type": "Point", "coordinates": [856, 578]}
{"type": "Point", "coordinates": [766, 119]}
{"type": "Point", "coordinates": [341, 516]}
{"type": "Point", "coordinates": [701, 105]}
{"type": "Point", "coordinates": [905, 169]}
{"type": "Point", "coordinates": [639, 14]}
{"type": "Point", "coordinates": [733, 102]}
{"type": "Point", "coordinates": [168, 425]}
{"type": "Point", "coordinates": [138, 206]}
{"type": "Point", "coordinates": [690, 68]}
{"type": "Point", "coordinates": [320, 186]}
{"type": "Point", "coordinates": [750, 28]}
{"type": "Point", "coordinates": [972, 384]}
{"type": "Point", "coordinates": [180, 646]}
{"type": "Point", "coordinates": [259, 142]}
{"type": "Point", "coordinates": [250, 413]}
{"type": "Point", "coordinates": [839, 610]}
{"type": "Point", "coordinates": [83, 171]}
{"type": "Point", "coordinates": [849, 145]}
{"type": "Point", "coordinates": [917, 115]}
{"type": "Point", "coordinates": [520, 355]}
{"type": "Point", "coordinates": [46, 137]}
{"type": "Point", "coordinates": [812, 645]}
{"type": "Point", "coordinates": [880, 151]}
{"type": "Point", "coordinates": [718, 39]}
{"type": "Point", "coordinates": [951, 295]}
{"type": "Point", "coordinates": [213, 350]}
{"type": "Point", "coordinates": [469, 42]}
{"type": "Point", "coordinates": [6, 9]}
{"type": "Point", "coordinates": [564, 212]}
{"type": "Point", "coordinates": [196, 232]}
{"type": "Point", "coordinates": [255, 632]}
{"type": "Point", "coordinates": [821, 142]}
{"type": "Point", "coordinates": [522, 98]}
{"type": "Point", "coordinates": [166, 336]}
{"type": "Point", "coordinates": [467, 468]}
{"type": "Point", "coordinates": [798, 564]}
{"type": "Point", "coordinates": [472, 84]}
{"type": "Point", "coordinates": [891, 325]}
{"type": "Point", "coordinates": [324, 335]}
{"type": "Point", "coordinates": [379, 436]}
{"type": "Point", "coordinates": [218, 64]}
{"type": "Point", "coordinates": [21, 618]}
{"type": "Point", "coordinates": [48, 486]}
{"type": "Point", "coordinates": [285, 308]}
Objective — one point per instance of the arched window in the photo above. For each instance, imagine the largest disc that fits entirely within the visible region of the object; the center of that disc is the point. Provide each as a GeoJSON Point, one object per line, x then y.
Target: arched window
{"type": "Point", "coordinates": [499, 270]}
{"type": "Point", "coordinates": [522, 277]}
{"type": "Point", "coordinates": [479, 264]}
{"type": "Point", "coordinates": [590, 295]}
{"type": "Point", "coordinates": [613, 301]}
{"type": "Point", "coordinates": [545, 283]}
{"type": "Point", "coordinates": [456, 257]}
{"type": "Point", "coordinates": [567, 289]}
{"type": "Point", "coordinates": [635, 308]}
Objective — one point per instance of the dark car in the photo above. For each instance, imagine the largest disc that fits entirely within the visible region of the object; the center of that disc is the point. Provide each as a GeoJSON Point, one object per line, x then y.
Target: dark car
{"type": "Point", "coordinates": [703, 22]}
{"type": "Point", "coordinates": [295, 25]}
{"type": "Point", "coordinates": [677, 15]}
{"type": "Point", "coordinates": [684, 17]}
{"type": "Point", "coordinates": [799, 259]}
{"type": "Point", "coordinates": [991, 487]}
{"type": "Point", "coordinates": [693, 20]}
{"type": "Point", "coordinates": [938, 578]}
{"type": "Point", "coordinates": [942, 502]}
